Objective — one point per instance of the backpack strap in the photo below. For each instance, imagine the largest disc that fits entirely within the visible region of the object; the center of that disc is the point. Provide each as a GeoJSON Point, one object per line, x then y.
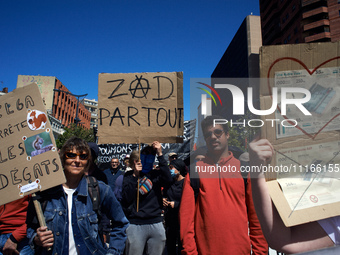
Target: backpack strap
{"type": "Point", "coordinates": [94, 193]}
{"type": "Point", "coordinates": [93, 188]}
{"type": "Point", "coordinates": [194, 181]}
{"type": "Point", "coordinates": [195, 184]}
{"type": "Point", "coordinates": [244, 174]}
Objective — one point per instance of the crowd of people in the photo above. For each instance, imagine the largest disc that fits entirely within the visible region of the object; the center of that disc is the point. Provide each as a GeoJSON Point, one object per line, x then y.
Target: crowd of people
{"type": "Point", "coordinates": [136, 207]}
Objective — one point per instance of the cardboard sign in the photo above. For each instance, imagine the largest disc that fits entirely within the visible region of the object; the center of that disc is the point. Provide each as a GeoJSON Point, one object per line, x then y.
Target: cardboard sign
{"type": "Point", "coordinates": [29, 160]}
{"type": "Point", "coordinates": [140, 107]}
{"type": "Point", "coordinates": [46, 85]}
{"type": "Point", "coordinates": [107, 151]}
{"type": "Point", "coordinates": [312, 146]}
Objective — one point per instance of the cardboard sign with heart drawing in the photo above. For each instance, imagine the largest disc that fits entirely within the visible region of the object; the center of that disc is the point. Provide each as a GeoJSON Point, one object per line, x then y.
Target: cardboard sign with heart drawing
{"type": "Point", "coordinates": [304, 176]}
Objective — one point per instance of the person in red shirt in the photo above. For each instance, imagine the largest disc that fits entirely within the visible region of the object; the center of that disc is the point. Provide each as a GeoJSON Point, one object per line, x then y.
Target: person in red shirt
{"type": "Point", "coordinates": [13, 228]}
{"type": "Point", "coordinates": [222, 219]}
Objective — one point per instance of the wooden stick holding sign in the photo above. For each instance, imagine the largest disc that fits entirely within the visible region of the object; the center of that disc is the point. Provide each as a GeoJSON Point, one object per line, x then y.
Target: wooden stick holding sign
{"type": "Point", "coordinates": [40, 213]}
{"type": "Point", "coordinates": [138, 194]}
{"type": "Point", "coordinates": [138, 177]}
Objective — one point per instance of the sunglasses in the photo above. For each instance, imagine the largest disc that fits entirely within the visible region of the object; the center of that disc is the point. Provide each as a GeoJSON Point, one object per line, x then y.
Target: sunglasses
{"type": "Point", "coordinates": [71, 155]}
{"type": "Point", "coordinates": [216, 132]}
{"type": "Point", "coordinates": [199, 159]}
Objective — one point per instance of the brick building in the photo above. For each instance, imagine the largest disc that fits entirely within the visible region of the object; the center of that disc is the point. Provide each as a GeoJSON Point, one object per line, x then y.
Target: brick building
{"type": "Point", "coordinates": [60, 105]}
{"type": "Point", "coordinates": [299, 21]}
{"type": "Point", "coordinates": [65, 108]}
{"type": "Point", "coordinates": [92, 106]}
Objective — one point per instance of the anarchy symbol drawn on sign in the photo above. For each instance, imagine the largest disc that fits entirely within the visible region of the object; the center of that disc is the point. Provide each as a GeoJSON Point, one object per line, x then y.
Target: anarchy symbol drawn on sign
{"type": "Point", "coordinates": [141, 87]}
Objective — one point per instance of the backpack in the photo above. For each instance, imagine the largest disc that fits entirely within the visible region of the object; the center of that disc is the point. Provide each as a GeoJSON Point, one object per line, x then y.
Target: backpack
{"type": "Point", "coordinates": [195, 182]}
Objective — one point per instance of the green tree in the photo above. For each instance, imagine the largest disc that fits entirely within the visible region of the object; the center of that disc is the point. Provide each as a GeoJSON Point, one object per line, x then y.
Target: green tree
{"type": "Point", "coordinates": [235, 137]}
{"type": "Point", "coordinates": [240, 135]}
{"type": "Point", "coordinates": [78, 131]}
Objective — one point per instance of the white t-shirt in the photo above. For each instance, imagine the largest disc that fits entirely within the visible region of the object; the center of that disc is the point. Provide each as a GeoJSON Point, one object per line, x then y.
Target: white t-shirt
{"type": "Point", "coordinates": [332, 228]}
{"type": "Point", "coordinates": [71, 244]}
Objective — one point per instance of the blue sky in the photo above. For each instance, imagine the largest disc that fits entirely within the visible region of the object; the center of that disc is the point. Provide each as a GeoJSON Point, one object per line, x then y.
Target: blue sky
{"type": "Point", "coordinates": [77, 40]}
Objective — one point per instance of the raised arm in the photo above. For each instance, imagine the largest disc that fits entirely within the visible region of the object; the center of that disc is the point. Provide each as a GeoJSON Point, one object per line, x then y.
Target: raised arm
{"type": "Point", "coordinates": [165, 176]}
{"type": "Point", "coordinates": [301, 238]}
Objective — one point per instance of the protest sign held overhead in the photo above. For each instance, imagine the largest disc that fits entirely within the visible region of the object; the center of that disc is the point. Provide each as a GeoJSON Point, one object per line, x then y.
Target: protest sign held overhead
{"type": "Point", "coordinates": [303, 178]}
{"type": "Point", "coordinates": [29, 160]}
{"type": "Point", "coordinates": [140, 107]}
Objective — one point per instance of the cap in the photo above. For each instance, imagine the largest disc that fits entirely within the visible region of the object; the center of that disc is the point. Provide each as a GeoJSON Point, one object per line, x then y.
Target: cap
{"type": "Point", "coordinates": [180, 166]}
{"type": "Point", "coordinates": [94, 150]}
{"type": "Point", "coordinates": [172, 154]}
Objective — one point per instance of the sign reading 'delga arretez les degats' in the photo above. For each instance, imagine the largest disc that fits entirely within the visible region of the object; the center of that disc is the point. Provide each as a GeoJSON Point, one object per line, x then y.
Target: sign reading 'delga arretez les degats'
{"type": "Point", "coordinates": [29, 160]}
{"type": "Point", "coordinates": [140, 107]}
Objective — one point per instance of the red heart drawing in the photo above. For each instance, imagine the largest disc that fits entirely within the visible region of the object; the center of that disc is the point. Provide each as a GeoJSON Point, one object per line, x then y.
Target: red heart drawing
{"type": "Point", "coordinates": [310, 72]}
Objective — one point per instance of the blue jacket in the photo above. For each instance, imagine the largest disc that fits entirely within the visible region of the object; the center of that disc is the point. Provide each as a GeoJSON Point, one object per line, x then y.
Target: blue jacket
{"type": "Point", "coordinates": [56, 216]}
{"type": "Point", "coordinates": [111, 179]}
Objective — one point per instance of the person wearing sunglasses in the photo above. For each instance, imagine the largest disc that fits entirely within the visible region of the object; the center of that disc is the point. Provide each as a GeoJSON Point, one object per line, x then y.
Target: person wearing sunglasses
{"type": "Point", "coordinates": [72, 224]}
{"type": "Point", "coordinates": [220, 218]}
{"type": "Point", "coordinates": [172, 156]}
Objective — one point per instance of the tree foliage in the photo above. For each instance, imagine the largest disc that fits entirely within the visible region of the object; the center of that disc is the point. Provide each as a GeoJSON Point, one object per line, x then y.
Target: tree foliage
{"type": "Point", "coordinates": [241, 135]}
{"type": "Point", "coordinates": [235, 138]}
{"type": "Point", "coordinates": [78, 131]}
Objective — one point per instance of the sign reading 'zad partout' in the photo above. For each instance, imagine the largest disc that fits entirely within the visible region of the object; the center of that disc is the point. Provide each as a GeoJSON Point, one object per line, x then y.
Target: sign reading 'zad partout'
{"type": "Point", "coordinates": [140, 107]}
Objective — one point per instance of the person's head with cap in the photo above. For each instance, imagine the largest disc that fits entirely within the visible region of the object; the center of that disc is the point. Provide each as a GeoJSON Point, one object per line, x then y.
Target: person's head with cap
{"type": "Point", "coordinates": [198, 154]}
{"type": "Point", "coordinates": [178, 167]}
{"type": "Point", "coordinates": [172, 156]}
{"type": "Point", "coordinates": [94, 150]}
{"type": "Point", "coordinates": [126, 160]}
{"type": "Point", "coordinates": [94, 154]}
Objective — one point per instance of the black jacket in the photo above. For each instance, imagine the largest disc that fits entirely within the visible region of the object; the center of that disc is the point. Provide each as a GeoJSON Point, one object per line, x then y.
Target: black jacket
{"type": "Point", "coordinates": [150, 204]}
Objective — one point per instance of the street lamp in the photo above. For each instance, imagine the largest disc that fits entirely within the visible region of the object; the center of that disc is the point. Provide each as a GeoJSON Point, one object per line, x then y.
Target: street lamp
{"type": "Point", "coordinates": [76, 119]}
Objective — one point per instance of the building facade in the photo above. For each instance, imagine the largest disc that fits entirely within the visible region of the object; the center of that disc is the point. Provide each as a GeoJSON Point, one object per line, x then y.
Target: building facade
{"type": "Point", "coordinates": [68, 108]}
{"type": "Point", "coordinates": [4, 91]}
{"type": "Point", "coordinates": [240, 60]}
{"type": "Point", "coordinates": [92, 106]}
{"type": "Point", "coordinates": [62, 105]}
{"type": "Point", "coordinates": [299, 21]}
